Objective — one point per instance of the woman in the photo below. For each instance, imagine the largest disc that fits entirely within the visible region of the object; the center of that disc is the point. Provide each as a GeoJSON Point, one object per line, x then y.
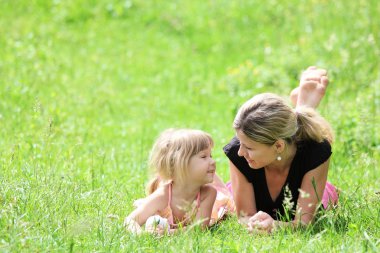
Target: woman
{"type": "Point", "coordinates": [279, 158]}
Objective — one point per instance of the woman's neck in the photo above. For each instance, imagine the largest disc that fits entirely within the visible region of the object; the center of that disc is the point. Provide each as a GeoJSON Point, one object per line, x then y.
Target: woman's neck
{"type": "Point", "coordinates": [283, 165]}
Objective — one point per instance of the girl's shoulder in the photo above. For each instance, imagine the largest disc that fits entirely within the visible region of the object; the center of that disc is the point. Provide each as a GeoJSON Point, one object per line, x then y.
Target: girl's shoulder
{"type": "Point", "coordinates": [160, 196]}
{"type": "Point", "coordinates": [162, 189]}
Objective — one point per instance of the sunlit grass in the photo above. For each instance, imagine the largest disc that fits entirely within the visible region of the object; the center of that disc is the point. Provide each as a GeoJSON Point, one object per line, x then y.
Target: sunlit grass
{"type": "Point", "coordinates": [86, 86]}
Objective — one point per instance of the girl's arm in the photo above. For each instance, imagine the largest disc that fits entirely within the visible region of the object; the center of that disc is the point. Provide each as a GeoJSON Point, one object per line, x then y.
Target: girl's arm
{"type": "Point", "coordinates": [243, 194]}
{"type": "Point", "coordinates": [207, 202]}
{"type": "Point", "coordinates": [151, 205]}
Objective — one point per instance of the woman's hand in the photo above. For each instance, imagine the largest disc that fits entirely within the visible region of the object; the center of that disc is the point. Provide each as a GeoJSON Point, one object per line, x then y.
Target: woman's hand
{"type": "Point", "coordinates": [261, 223]}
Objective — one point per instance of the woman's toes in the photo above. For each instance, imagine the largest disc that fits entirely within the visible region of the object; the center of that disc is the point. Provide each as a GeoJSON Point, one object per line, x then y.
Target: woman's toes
{"type": "Point", "coordinates": [324, 81]}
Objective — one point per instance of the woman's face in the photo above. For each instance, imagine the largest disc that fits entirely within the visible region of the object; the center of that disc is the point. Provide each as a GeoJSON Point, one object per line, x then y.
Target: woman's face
{"type": "Point", "coordinates": [258, 155]}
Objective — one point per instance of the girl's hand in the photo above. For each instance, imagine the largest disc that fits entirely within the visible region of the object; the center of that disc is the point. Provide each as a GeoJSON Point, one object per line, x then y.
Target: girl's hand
{"type": "Point", "coordinates": [132, 226]}
{"type": "Point", "coordinates": [157, 225]}
{"type": "Point", "coordinates": [156, 230]}
{"type": "Point", "coordinates": [261, 223]}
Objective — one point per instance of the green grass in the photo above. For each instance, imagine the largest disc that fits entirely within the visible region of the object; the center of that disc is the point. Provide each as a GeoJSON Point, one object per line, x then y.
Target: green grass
{"type": "Point", "coordinates": [86, 86]}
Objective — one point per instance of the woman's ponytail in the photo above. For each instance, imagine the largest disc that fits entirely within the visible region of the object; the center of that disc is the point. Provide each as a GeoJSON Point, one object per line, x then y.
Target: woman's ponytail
{"type": "Point", "coordinates": [312, 126]}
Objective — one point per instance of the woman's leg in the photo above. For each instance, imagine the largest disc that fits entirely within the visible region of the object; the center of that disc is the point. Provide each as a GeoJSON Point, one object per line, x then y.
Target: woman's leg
{"type": "Point", "coordinates": [330, 196]}
{"type": "Point", "coordinates": [312, 88]}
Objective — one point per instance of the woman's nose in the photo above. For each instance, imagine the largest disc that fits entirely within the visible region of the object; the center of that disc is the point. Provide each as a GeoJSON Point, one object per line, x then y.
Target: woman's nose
{"type": "Point", "coordinates": [240, 151]}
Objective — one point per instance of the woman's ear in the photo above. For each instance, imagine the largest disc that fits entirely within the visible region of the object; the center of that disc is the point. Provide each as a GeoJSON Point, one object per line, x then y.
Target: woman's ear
{"type": "Point", "coordinates": [279, 145]}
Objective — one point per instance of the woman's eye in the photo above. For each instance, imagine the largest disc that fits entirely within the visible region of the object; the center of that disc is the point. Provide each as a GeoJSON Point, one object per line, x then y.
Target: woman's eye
{"type": "Point", "coordinates": [247, 148]}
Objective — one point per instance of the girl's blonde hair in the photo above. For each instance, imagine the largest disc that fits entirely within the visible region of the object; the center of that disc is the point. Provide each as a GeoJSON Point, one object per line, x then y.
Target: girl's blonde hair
{"type": "Point", "coordinates": [171, 153]}
{"type": "Point", "coordinates": [266, 118]}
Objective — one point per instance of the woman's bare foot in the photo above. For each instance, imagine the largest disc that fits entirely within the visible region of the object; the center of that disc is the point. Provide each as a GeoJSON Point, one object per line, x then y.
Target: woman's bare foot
{"type": "Point", "coordinates": [294, 96]}
{"type": "Point", "coordinates": [312, 88]}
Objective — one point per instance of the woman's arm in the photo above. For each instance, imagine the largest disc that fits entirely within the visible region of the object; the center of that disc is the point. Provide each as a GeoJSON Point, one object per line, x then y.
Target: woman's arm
{"type": "Point", "coordinates": [243, 194]}
{"type": "Point", "coordinates": [311, 192]}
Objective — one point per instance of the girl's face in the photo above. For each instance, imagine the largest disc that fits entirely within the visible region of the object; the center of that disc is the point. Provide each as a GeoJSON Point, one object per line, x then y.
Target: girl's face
{"type": "Point", "coordinates": [258, 155]}
{"type": "Point", "coordinates": [202, 167]}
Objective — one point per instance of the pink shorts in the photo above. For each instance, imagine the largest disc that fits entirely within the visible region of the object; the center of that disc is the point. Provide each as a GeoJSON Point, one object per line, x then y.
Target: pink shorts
{"type": "Point", "coordinates": [330, 196]}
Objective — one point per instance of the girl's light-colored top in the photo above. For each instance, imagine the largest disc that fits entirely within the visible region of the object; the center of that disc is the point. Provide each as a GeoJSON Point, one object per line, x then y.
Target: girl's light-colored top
{"type": "Point", "coordinates": [189, 216]}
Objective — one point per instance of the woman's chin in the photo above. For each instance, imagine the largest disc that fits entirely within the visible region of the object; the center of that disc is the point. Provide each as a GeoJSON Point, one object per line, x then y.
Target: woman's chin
{"type": "Point", "coordinates": [253, 165]}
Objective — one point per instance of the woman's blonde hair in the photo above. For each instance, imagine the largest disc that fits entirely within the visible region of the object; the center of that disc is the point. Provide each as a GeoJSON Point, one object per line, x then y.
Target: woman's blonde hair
{"type": "Point", "coordinates": [266, 118]}
{"type": "Point", "coordinates": [171, 153]}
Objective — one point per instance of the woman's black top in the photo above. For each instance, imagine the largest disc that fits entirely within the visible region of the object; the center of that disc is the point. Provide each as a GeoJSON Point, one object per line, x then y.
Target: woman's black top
{"type": "Point", "coordinates": [309, 155]}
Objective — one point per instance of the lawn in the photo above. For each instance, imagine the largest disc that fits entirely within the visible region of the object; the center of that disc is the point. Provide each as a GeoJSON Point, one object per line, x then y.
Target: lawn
{"type": "Point", "coordinates": [86, 87]}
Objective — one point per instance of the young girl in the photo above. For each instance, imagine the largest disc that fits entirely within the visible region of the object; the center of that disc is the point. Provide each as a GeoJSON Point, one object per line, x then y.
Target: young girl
{"type": "Point", "coordinates": [179, 193]}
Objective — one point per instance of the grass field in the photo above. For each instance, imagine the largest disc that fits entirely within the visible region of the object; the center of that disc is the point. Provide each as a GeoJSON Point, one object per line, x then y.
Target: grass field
{"type": "Point", "coordinates": [86, 87]}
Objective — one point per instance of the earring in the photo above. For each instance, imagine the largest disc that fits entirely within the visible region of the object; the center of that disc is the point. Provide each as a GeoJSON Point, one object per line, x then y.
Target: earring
{"type": "Point", "coordinates": [278, 158]}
